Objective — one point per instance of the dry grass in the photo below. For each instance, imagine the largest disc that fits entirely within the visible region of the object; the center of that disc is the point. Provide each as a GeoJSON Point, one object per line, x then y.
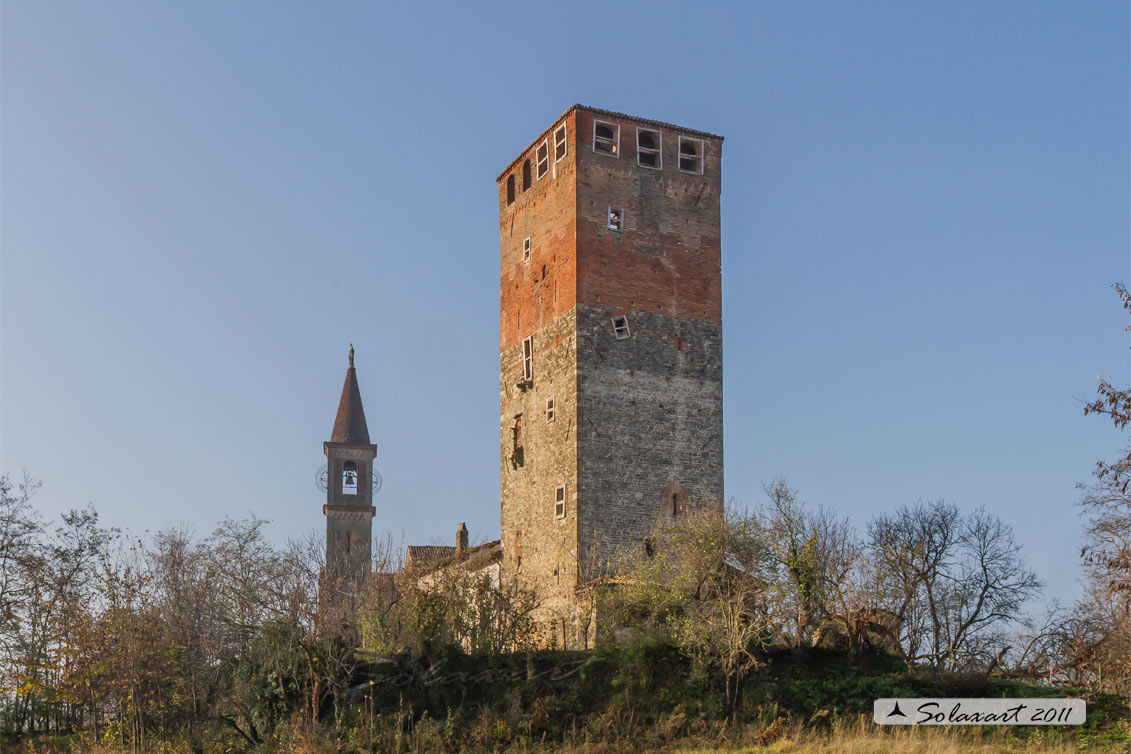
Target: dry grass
{"type": "Point", "coordinates": [864, 737]}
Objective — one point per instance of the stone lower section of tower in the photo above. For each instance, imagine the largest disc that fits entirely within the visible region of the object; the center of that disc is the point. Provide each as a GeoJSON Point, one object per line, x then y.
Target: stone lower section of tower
{"type": "Point", "coordinates": [650, 426]}
{"type": "Point", "coordinates": [636, 421]}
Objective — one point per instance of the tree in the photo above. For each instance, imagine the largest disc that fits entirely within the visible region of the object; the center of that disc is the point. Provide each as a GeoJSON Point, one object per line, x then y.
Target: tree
{"type": "Point", "coordinates": [703, 582]}
{"type": "Point", "coordinates": [1106, 503]}
{"type": "Point", "coordinates": [950, 580]}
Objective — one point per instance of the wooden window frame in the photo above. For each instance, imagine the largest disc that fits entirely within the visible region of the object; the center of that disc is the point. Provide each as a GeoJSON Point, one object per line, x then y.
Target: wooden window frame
{"type": "Point", "coordinates": [614, 142]}
{"type": "Point", "coordinates": [560, 501]}
{"type": "Point", "coordinates": [560, 143]}
{"type": "Point", "coordinates": [542, 160]}
{"type": "Point", "coordinates": [551, 408]}
{"type": "Point", "coordinates": [700, 156]}
{"type": "Point", "coordinates": [658, 151]}
{"type": "Point", "coordinates": [621, 330]}
{"type": "Point", "coordinates": [615, 220]}
{"type": "Point", "coordinates": [527, 245]}
{"type": "Point", "coordinates": [528, 358]}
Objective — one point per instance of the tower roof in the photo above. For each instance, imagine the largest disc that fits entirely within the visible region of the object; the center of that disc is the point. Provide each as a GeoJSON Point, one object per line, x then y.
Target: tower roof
{"type": "Point", "coordinates": [349, 424]}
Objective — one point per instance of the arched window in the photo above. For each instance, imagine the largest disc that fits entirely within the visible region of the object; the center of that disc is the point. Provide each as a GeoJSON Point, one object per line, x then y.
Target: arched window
{"type": "Point", "coordinates": [526, 175]}
{"type": "Point", "coordinates": [673, 500]}
{"type": "Point", "coordinates": [690, 155]}
{"type": "Point", "coordinates": [510, 189]}
{"type": "Point", "coordinates": [349, 478]}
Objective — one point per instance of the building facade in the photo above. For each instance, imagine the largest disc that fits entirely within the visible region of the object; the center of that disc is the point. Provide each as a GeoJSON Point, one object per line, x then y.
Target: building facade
{"type": "Point", "coordinates": [610, 346]}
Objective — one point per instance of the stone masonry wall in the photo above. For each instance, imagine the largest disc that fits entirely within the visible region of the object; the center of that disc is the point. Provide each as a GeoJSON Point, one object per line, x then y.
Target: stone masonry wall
{"type": "Point", "coordinates": [539, 549]}
{"type": "Point", "coordinates": [651, 414]}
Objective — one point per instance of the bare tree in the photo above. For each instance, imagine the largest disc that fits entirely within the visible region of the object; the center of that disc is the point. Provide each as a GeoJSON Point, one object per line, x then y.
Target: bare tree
{"type": "Point", "coordinates": [950, 580]}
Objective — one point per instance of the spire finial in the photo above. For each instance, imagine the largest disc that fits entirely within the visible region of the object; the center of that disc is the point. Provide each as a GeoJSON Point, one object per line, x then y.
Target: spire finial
{"type": "Point", "coordinates": [351, 355]}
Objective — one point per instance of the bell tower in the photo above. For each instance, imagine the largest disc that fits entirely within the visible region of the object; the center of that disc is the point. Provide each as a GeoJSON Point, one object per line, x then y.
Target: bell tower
{"type": "Point", "coordinates": [349, 507]}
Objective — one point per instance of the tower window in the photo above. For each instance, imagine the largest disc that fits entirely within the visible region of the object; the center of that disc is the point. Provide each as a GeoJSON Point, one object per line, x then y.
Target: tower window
{"type": "Point", "coordinates": [349, 478]}
{"type": "Point", "coordinates": [648, 149]}
{"type": "Point", "coordinates": [550, 409]}
{"type": "Point", "coordinates": [616, 219]}
{"type": "Point", "coordinates": [526, 249]}
{"type": "Point", "coordinates": [690, 155]}
{"type": "Point", "coordinates": [542, 159]}
{"type": "Point", "coordinates": [528, 358]}
{"type": "Point", "coordinates": [526, 175]}
{"type": "Point", "coordinates": [560, 142]}
{"type": "Point", "coordinates": [620, 327]}
{"type": "Point", "coordinates": [606, 138]}
{"type": "Point", "coordinates": [510, 189]}
{"type": "Point", "coordinates": [559, 501]}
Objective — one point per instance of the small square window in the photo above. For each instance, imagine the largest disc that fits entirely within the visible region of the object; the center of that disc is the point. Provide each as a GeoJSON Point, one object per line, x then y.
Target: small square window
{"type": "Point", "coordinates": [690, 155]}
{"type": "Point", "coordinates": [616, 219]}
{"type": "Point", "coordinates": [550, 409]}
{"type": "Point", "coordinates": [560, 143]}
{"type": "Point", "coordinates": [648, 152]}
{"type": "Point", "coordinates": [528, 358]}
{"type": "Point", "coordinates": [542, 159]}
{"type": "Point", "coordinates": [559, 501]}
{"type": "Point", "coordinates": [606, 138]}
{"type": "Point", "coordinates": [620, 327]}
{"type": "Point", "coordinates": [526, 249]}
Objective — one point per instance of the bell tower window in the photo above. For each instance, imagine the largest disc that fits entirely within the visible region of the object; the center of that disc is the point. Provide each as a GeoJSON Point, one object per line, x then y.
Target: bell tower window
{"type": "Point", "coordinates": [349, 478]}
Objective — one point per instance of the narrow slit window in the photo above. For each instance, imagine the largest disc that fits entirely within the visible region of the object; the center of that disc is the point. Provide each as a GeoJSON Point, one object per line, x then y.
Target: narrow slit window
{"type": "Point", "coordinates": [542, 159]}
{"type": "Point", "coordinates": [560, 143]}
{"type": "Point", "coordinates": [620, 327]}
{"type": "Point", "coordinates": [528, 358]}
{"type": "Point", "coordinates": [606, 138]}
{"type": "Point", "coordinates": [526, 249]}
{"type": "Point", "coordinates": [550, 412]}
{"type": "Point", "coordinates": [690, 155]}
{"type": "Point", "coordinates": [559, 501]}
{"type": "Point", "coordinates": [526, 175]}
{"type": "Point", "coordinates": [616, 219]}
{"type": "Point", "coordinates": [510, 189]}
{"type": "Point", "coordinates": [648, 149]}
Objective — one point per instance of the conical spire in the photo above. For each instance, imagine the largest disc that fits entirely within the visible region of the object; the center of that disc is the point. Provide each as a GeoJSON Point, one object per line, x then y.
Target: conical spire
{"type": "Point", "coordinates": [349, 424]}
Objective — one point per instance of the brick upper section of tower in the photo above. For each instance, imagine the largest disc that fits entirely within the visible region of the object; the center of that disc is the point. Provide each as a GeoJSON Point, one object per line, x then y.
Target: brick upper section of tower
{"type": "Point", "coordinates": [665, 260]}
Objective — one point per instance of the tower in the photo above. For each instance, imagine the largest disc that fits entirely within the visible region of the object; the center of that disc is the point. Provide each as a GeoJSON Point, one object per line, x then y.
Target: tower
{"type": "Point", "coordinates": [610, 346]}
{"type": "Point", "coordinates": [349, 495]}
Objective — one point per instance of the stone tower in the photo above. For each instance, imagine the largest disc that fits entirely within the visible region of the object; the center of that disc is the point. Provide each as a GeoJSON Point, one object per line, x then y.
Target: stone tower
{"type": "Point", "coordinates": [610, 344]}
{"type": "Point", "coordinates": [349, 494]}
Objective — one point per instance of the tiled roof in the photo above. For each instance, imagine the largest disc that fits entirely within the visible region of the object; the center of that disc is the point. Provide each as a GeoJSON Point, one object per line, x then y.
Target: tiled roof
{"type": "Point", "coordinates": [424, 555]}
{"type": "Point", "coordinates": [429, 557]}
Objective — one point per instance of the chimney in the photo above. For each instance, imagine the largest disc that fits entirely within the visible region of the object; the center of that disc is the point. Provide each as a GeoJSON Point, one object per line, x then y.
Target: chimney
{"type": "Point", "coordinates": [461, 540]}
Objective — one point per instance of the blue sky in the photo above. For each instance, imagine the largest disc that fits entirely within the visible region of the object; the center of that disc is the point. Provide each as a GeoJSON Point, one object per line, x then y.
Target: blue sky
{"type": "Point", "coordinates": [203, 204]}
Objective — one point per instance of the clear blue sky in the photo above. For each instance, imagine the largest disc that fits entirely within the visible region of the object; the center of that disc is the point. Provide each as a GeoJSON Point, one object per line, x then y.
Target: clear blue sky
{"type": "Point", "coordinates": [203, 204]}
